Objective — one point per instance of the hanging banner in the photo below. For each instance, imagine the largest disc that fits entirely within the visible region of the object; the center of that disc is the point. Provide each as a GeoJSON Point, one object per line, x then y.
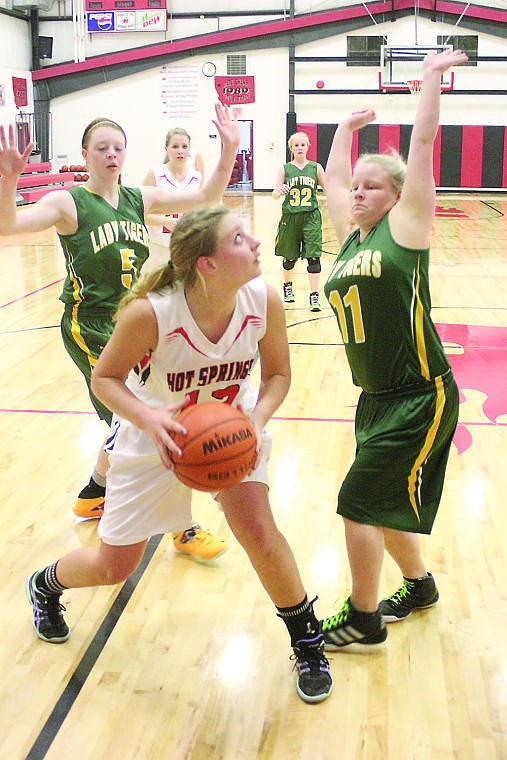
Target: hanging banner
{"type": "Point", "coordinates": [20, 91]}
{"type": "Point", "coordinates": [235, 90]}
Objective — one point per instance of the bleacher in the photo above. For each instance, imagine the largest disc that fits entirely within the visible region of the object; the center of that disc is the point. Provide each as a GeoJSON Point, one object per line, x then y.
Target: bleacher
{"type": "Point", "coordinates": [38, 179]}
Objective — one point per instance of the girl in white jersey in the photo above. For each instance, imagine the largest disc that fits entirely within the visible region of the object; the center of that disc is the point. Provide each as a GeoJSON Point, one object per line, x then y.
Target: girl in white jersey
{"type": "Point", "coordinates": [181, 171]}
{"type": "Point", "coordinates": [207, 307]}
{"type": "Point", "coordinates": [178, 174]}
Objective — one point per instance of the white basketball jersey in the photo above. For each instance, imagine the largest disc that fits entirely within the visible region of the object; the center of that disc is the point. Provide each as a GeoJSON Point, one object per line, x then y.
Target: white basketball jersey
{"type": "Point", "coordinates": [164, 178]}
{"type": "Point", "coordinates": [185, 362]}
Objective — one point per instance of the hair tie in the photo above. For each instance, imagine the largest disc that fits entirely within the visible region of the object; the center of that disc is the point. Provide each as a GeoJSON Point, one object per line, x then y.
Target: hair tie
{"type": "Point", "coordinates": [170, 265]}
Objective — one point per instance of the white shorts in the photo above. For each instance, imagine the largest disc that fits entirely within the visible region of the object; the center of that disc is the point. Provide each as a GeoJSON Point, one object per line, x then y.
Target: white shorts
{"type": "Point", "coordinates": [143, 498]}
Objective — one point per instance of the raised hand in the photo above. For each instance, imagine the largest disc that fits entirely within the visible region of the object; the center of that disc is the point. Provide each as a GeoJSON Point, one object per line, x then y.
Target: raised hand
{"type": "Point", "coordinates": [12, 162]}
{"type": "Point", "coordinates": [445, 60]}
{"type": "Point", "coordinates": [359, 119]}
{"type": "Point", "coordinates": [226, 124]}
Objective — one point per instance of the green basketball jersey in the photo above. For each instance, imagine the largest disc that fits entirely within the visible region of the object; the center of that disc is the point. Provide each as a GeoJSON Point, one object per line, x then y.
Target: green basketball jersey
{"type": "Point", "coordinates": [302, 195]}
{"type": "Point", "coordinates": [379, 292]}
{"type": "Point", "coordinates": [104, 256]}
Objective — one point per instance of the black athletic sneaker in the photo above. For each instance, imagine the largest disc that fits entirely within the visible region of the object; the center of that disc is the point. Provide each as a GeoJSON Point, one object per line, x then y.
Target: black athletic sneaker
{"type": "Point", "coordinates": [350, 626]}
{"type": "Point", "coordinates": [314, 682]}
{"type": "Point", "coordinates": [288, 293]}
{"type": "Point", "coordinates": [48, 622]}
{"type": "Point", "coordinates": [415, 594]}
{"type": "Point", "coordinates": [314, 301]}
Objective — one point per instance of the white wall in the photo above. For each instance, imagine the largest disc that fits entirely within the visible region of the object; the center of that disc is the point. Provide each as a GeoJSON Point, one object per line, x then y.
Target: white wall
{"type": "Point", "coordinates": [135, 103]}
{"type": "Point", "coordinates": [399, 109]}
{"type": "Point", "coordinates": [15, 43]}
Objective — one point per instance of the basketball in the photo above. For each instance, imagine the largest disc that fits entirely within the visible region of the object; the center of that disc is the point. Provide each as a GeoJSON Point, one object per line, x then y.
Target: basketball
{"type": "Point", "coordinates": [219, 449]}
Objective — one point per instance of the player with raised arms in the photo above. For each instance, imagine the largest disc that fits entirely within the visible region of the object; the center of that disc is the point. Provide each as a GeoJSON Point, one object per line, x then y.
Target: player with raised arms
{"type": "Point", "coordinates": [408, 409]}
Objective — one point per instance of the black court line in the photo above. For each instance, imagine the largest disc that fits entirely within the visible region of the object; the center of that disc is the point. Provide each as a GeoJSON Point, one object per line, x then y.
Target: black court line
{"type": "Point", "coordinates": [78, 679]}
{"type": "Point", "coordinates": [493, 207]}
{"type": "Point", "coordinates": [28, 329]}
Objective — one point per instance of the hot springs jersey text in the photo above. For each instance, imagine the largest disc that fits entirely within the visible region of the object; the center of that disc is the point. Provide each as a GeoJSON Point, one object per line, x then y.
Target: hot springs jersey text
{"type": "Point", "coordinates": [186, 363]}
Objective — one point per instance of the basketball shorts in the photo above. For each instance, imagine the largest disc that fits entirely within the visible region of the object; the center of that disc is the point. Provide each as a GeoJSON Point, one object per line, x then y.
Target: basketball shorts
{"type": "Point", "coordinates": [143, 498]}
{"type": "Point", "coordinates": [299, 235]}
{"type": "Point", "coordinates": [84, 340]}
{"type": "Point", "coordinates": [403, 441]}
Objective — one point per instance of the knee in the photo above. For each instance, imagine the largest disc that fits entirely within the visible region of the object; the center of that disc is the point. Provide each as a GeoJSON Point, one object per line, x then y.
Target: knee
{"type": "Point", "coordinates": [261, 539]}
{"type": "Point", "coordinates": [288, 264]}
{"type": "Point", "coordinates": [117, 571]}
{"type": "Point", "coordinates": [313, 266]}
{"type": "Point", "coordinates": [111, 575]}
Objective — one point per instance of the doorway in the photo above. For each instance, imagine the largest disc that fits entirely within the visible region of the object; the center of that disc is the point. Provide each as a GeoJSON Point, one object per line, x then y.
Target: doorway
{"type": "Point", "coordinates": [242, 173]}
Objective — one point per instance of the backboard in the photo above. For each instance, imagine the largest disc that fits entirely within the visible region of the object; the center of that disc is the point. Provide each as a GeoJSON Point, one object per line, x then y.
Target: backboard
{"type": "Point", "coordinates": [402, 64]}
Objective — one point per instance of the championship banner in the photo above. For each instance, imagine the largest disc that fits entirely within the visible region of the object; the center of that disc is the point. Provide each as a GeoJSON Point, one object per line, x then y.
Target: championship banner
{"type": "Point", "coordinates": [20, 92]}
{"type": "Point", "coordinates": [235, 90]}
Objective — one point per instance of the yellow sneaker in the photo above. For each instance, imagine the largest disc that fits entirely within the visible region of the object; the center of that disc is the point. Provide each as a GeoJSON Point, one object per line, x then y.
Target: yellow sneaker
{"type": "Point", "coordinates": [90, 502]}
{"type": "Point", "coordinates": [199, 544]}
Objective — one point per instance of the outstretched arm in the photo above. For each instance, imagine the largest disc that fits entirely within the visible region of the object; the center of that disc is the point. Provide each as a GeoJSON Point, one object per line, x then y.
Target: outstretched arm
{"type": "Point", "coordinates": [338, 173]}
{"type": "Point", "coordinates": [158, 200]}
{"type": "Point", "coordinates": [411, 219]}
{"type": "Point", "coordinates": [50, 210]}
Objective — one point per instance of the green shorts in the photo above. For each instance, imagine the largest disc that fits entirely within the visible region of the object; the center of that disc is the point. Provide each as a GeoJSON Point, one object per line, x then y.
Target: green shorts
{"type": "Point", "coordinates": [84, 338]}
{"type": "Point", "coordinates": [403, 441]}
{"type": "Point", "coordinates": [299, 235]}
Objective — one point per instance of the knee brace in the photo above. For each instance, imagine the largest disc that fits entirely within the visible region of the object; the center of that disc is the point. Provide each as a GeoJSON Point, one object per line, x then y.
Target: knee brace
{"type": "Point", "coordinates": [313, 266]}
{"type": "Point", "coordinates": [289, 264]}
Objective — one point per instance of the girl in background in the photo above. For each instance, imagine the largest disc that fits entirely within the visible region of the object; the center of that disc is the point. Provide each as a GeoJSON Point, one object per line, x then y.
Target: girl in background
{"type": "Point", "coordinates": [300, 228]}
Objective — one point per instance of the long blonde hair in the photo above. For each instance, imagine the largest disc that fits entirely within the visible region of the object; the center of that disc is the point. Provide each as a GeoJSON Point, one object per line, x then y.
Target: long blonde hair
{"type": "Point", "coordinates": [196, 234]}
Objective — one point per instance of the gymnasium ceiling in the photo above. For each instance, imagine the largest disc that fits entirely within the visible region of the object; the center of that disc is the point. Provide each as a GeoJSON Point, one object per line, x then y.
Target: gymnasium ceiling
{"type": "Point", "coordinates": [483, 16]}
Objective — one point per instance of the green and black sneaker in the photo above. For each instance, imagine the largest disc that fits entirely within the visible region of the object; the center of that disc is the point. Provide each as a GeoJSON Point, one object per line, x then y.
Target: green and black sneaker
{"type": "Point", "coordinates": [415, 594]}
{"type": "Point", "coordinates": [351, 626]}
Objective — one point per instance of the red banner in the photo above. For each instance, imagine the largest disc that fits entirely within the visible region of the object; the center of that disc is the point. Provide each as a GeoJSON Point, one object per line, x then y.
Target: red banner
{"type": "Point", "coordinates": [20, 92]}
{"type": "Point", "coordinates": [235, 90]}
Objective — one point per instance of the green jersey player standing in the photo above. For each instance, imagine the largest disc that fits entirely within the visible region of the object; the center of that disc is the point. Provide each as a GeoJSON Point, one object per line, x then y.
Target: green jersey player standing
{"type": "Point", "coordinates": [299, 232]}
{"type": "Point", "coordinates": [408, 408]}
{"type": "Point", "coordinates": [101, 228]}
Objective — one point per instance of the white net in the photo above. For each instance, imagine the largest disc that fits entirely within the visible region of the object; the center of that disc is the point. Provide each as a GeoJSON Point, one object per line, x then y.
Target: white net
{"type": "Point", "coordinates": [414, 85]}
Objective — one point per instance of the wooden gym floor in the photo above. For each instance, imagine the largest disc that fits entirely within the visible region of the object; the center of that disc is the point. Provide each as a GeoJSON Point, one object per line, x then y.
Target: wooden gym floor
{"type": "Point", "coordinates": [187, 661]}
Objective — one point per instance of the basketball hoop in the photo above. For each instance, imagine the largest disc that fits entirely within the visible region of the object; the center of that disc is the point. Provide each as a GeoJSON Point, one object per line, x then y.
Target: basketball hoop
{"type": "Point", "coordinates": [414, 85]}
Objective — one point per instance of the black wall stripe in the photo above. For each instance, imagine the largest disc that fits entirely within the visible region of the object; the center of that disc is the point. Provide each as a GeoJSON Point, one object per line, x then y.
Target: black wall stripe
{"type": "Point", "coordinates": [368, 139]}
{"type": "Point", "coordinates": [492, 156]}
{"type": "Point", "coordinates": [405, 133]}
{"type": "Point", "coordinates": [325, 134]}
{"type": "Point", "coordinates": [291, 128]}
{"type": "Point", "coordinates": [450, 163]}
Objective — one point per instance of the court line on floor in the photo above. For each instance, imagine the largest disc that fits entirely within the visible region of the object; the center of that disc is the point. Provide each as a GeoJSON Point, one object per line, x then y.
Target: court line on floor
{"type": "Point", "coordinates": [274, 417]}
{"type": "Point", "coordinates": [31, 293]}
{"type": "Point", "coordinates": [77, 680]}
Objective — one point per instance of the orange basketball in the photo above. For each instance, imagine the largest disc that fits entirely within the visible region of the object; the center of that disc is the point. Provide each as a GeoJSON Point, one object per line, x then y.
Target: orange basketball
{"type": "Point", "coordinates": [219, 449]}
